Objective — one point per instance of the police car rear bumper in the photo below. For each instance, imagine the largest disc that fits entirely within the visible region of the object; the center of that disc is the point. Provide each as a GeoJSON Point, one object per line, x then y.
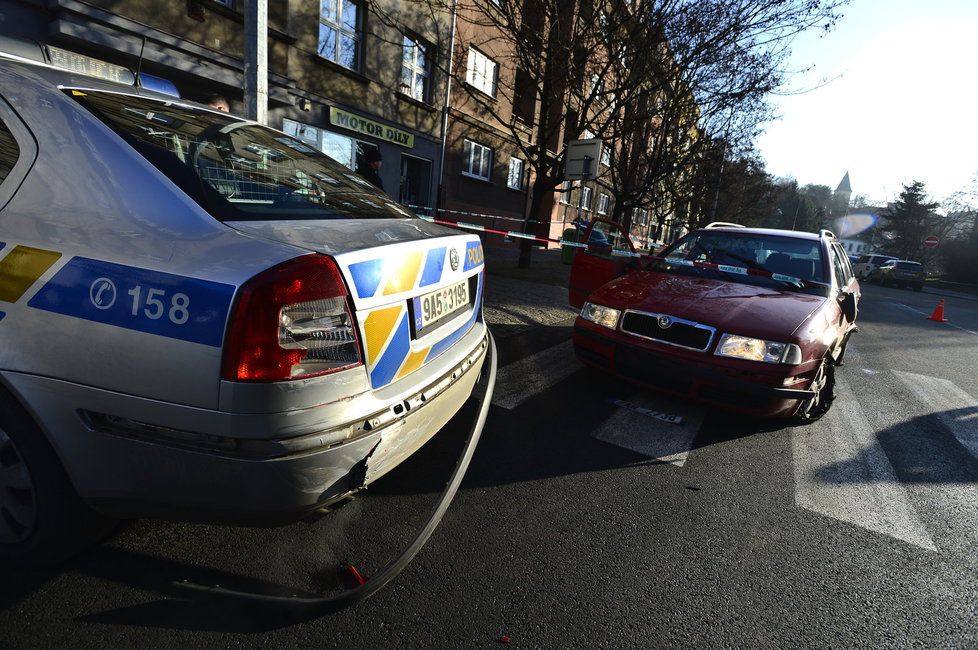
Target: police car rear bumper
{"type": "Point", "coordinates": [124, 467]}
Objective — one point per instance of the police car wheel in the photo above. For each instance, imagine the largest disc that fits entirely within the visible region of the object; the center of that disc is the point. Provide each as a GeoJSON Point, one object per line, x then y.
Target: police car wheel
{"type": "Point", "coordinates": [42, 519]}
{"type": "Point", "coordinates": [17, 498]}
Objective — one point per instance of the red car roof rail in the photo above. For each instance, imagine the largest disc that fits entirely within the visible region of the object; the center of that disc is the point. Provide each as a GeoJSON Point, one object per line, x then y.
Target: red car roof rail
{"type": "Point", "coordinates": [723, 224]}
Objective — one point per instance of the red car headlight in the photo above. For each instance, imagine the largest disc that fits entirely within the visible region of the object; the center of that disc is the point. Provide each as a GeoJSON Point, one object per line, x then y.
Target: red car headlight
{"type": "Point", "coordinates": [600, 315]}
{"type": "Point", "coordinates": [744, 347]}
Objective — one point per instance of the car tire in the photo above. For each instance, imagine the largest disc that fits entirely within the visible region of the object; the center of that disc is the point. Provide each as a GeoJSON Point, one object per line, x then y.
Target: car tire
{"type": "Point", "coordinates": [42, 518]}
{"type": "Point", "coordinates": [812, 410]}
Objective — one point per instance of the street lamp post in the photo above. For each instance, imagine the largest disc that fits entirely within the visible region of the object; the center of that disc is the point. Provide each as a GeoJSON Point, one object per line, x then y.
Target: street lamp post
{"type": "Point", "coordinates": [256, 60]}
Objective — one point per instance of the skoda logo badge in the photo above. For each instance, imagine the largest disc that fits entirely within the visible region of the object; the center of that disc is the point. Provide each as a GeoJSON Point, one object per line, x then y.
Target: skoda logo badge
{"type": "Point", "coordinates": [453, 259]}
{"type": "Point", "coordinates": [665, 322]}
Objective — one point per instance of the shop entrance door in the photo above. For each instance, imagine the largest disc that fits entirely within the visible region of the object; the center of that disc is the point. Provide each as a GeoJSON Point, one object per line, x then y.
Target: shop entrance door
{"type": "Point", "coordinates": [415, 181]}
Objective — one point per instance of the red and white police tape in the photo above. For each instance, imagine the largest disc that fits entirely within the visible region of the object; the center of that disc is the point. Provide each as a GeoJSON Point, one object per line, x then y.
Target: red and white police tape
{"type": "Point", "coordinates": [725, 268]}
{"type": "Point", "coordinates": [523, 235]}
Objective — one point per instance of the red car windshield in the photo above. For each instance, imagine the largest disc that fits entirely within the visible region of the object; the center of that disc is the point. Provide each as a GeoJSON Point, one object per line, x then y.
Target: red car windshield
{"type": "Point", "coordinates": [788, 256]}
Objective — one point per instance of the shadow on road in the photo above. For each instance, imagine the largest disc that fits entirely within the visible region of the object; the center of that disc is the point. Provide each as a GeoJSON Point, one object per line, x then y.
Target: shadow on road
{"type": "Point", "coordinates": [545, 437]}
{"type": "Point", "coordinates": [549, 436]}
{"type": "Point", "coordinates": [921, 450]}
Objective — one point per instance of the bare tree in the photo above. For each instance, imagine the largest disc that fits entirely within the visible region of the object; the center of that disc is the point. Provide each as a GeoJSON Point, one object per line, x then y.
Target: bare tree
{"type": "Point", "coordinates": [660, 81]}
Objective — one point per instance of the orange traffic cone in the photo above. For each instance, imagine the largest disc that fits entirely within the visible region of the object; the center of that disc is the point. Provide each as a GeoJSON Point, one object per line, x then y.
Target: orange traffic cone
{"type": "Point", "coordinates": [938, 314]}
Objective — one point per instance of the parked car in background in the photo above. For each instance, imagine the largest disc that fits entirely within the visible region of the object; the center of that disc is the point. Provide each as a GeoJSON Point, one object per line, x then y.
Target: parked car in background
{"type": "Point", "coordinates": [900, 273]}
{"type": "Point", "coordinates": [597, 236]}
{"type": "Point", "coordinates": [747, 319]}
{"type": "Point", "coordinates": [869, 263]}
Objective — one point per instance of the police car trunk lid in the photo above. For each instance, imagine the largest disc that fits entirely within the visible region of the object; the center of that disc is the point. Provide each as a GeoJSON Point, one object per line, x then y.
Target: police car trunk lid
{"type": "Point", "coordinates": [390, 267]}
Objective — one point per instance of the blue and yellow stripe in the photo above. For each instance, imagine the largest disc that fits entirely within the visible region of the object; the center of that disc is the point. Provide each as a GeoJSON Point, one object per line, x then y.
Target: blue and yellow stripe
{"type": "Point", "coordinates": [387, 341]}
{"type": "Point", "coordinates": [21, 268]}
{"type": "Point", "coordinates": [413, 270]}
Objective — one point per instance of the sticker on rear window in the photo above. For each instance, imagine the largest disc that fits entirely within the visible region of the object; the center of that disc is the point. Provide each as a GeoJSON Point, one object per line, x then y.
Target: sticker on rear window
{"type": "Point", "coordinates": [154, 302]}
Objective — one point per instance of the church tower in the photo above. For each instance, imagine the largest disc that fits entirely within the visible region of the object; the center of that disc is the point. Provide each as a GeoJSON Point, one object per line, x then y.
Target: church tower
{"type": "Point", "coordinates": [841, 196]}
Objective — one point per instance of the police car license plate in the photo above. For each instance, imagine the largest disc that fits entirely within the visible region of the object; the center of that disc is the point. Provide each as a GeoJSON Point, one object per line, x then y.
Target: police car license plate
{"type": "Point", "coordinates": [437, 305]}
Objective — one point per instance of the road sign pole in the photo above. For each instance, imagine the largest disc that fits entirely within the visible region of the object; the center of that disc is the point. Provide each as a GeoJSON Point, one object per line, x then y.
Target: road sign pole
{"type": "Point", "coordinates": [585, 177]}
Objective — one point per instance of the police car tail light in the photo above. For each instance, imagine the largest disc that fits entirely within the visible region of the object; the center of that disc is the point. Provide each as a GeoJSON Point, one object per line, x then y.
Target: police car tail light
{"type": "Point", "coordinates": [291, 322]}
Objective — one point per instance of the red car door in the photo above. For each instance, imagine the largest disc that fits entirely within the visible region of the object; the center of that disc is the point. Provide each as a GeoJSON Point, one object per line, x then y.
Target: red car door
{"type": "Point", "coordinates": [596, 265]}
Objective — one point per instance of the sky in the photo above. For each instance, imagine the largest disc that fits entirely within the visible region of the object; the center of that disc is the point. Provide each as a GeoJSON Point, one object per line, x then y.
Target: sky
{"type": "Point", "coordinates": [900, 102]}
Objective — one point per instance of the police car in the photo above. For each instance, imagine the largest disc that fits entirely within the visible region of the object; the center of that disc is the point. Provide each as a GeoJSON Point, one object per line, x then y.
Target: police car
{"type": "Point", "coordinates": [205, 319]}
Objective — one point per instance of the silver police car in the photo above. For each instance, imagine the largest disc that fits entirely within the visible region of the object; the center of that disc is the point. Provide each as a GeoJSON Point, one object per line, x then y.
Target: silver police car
{"type": "Point", "coordinates": [205, 319]}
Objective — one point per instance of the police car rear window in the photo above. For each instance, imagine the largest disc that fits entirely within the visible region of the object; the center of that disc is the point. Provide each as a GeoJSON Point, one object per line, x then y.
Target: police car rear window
{"type": "Point", "coordinates": [9, 151]}
{"type": "Point", "coordinates": [237, 170]}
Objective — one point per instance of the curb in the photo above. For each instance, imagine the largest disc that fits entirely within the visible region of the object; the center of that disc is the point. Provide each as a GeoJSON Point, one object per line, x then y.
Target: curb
{"type": "Point", "coordinates": [950, 294]}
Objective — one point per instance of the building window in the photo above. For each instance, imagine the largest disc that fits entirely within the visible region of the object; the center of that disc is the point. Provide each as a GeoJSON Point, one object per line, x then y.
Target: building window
{"type": "Point", "coordinates": [524, 97]}
{"type": "Point", "coordinates": [603, 202]}
{"type": "Point", "coordinates": [515, 178]}
{"type": "Point", "coordinates": [481, 72]}
{"type": "Point", "coordinates": [565, 193]}
{"type": "Point", "coordinates": [225, 3]}
{"type": "Point", "coordinates": [415, 70]}
{"type": "Point", "coordinates": [597, 85]}
{"type": "Point", "coordinates": [585, 202]}
{"type": "Point", "coordinates": [339, 32]}
{"type": "Point", "coordinates": [476, 160]}
{"type": "Point", "coordinates": [606, 154]}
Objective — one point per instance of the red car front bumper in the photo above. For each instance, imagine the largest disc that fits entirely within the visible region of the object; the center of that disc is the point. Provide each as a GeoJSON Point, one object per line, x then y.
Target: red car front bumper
{"type": "Point", "coordinates": [697, 376]}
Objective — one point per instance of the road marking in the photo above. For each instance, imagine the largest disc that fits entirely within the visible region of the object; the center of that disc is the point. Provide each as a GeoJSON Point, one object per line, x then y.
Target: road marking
{"type": "Point", "coordinates": [636, 431]}
{"type": "Point", "coordinates": [923, 313]}
{"type": "Point", "coordinates": [519, 381]}
{"type": "Point", "coordinates": [842, 472]}
{"type": "Point", "coordinates": [954, 408]}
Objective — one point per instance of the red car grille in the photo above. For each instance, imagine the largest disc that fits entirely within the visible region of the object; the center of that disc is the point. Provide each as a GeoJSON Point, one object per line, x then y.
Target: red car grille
{"type": "Point", "coordinates": [677, 331]}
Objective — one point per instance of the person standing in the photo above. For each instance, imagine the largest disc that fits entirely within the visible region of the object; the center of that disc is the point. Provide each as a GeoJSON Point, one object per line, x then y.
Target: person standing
{"type": "Point", "coordinates": [370, 168]}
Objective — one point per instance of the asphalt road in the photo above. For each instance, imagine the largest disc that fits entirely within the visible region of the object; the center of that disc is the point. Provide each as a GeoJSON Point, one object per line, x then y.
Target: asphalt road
{"type": "Point", "coordinates": [584, 522]}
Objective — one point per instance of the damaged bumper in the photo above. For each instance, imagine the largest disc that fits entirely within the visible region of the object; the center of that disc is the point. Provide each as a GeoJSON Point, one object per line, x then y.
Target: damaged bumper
{"type": "Point", "coordinates": [135, 470]}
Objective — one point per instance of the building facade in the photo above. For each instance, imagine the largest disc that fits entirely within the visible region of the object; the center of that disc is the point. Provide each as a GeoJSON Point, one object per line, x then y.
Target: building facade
{"type": "Point", "coordinates": [340, 78]}
{"type": "Point", "coordinates": [416, 82]}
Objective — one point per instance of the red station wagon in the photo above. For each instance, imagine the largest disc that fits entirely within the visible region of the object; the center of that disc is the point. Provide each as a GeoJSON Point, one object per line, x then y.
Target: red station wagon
{"type": "Point", "coordinates": [748, 319]}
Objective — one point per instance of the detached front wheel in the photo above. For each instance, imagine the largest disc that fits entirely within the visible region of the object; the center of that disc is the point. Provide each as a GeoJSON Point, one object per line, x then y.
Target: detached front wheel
{"type": "Point", "coordinates": [42, 519]}
{"type": "Point", "coordinates": [817, 406]}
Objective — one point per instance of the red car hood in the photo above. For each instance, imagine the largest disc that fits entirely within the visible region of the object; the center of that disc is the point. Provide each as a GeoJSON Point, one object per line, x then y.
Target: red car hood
{"type": "Point", "coordinates": [733, 307]}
